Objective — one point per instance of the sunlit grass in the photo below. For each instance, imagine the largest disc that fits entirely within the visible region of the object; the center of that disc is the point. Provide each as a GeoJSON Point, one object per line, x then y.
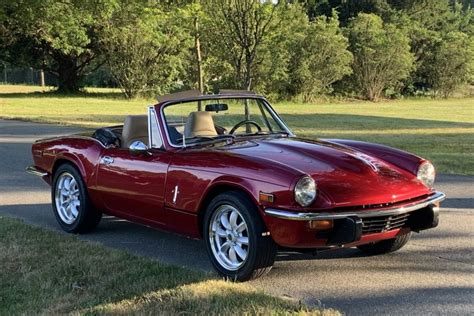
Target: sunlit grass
{"type": "Point", "coordinates": [13, 88]}
{"type": "Point", "coordinates": [439, 130]}
{"type": "Point", "coordinates": [45, 272]}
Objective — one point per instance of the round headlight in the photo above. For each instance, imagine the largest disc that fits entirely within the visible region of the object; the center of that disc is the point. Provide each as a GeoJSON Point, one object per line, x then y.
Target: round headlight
{"type": "Point", "coordinates": [305, 191]}
{"type": "Point", "coordinates": [426, 174]}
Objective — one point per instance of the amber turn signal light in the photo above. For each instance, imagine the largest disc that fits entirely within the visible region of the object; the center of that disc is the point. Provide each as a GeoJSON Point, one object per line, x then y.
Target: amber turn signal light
{"type": "Point", "coordinates": [266, 197]}
{"type": "Point", "coordinates": [321, 225]}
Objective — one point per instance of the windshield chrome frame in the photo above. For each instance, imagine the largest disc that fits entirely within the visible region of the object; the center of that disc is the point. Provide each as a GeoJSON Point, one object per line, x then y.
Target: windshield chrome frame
{"type": "Point", "coordinates": [270, 109]}
{"type": "Point", "coordinates": [152, 116]}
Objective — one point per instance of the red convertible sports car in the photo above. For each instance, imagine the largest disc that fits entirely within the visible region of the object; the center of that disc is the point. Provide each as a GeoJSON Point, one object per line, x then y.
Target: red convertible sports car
{"type": "Point", "coordinates": [227, 169]}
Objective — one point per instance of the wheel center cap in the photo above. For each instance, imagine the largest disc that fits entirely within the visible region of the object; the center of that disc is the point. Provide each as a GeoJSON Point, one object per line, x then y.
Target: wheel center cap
{"type": "Point", "coordinates": [231, 237]}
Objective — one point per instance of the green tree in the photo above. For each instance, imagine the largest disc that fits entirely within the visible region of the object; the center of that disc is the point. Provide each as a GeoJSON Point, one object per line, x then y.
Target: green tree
{"type": "Point", "coordinates": [321, 58]}
{"type": "Point", "coordinates": [191, 18]}
{"type": "Point", "coordinates": [272, 74]}
{"type": "Point", "coordinates": [450, 63]}
{"type": "Point", "coordinates": [236, 30]}
{"type": "Point", "coordinates": [225, 64]}
{"type": "Point", "coordinates": [382, 57]}
{"type": "Point", "coordinates": [58, 36]}
{"type": "Point", "coordinates": [142, 47]}
{"type": "Point", "coordinates": [427, 23]}
{"type": "Point", "coordinates": [347, 9]}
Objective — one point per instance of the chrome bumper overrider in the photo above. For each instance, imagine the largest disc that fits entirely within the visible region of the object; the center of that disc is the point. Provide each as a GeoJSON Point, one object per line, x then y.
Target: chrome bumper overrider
{"type": "Point", "coordinates": [35, 171]}
{"type": "Point", "coordinates": [384, 211]}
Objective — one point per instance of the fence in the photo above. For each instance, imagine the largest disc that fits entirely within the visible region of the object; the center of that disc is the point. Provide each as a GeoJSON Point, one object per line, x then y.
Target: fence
{"type": "Point", "coordinates": [27, 76]}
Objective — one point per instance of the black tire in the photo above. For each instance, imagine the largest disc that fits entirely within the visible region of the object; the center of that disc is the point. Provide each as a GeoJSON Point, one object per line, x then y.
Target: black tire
{"type": "Point", "coordinates": [261, 249]}
{"type": "Point", "coordinates": [88, 217]}
{"type": "Point", "coordinates": [385, 246]}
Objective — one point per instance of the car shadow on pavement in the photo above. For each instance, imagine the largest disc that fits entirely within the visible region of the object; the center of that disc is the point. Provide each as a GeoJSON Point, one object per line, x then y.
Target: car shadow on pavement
{"type": "Point", "coordinates": [286, 255]}
{"type": "Point", "coordinates": [458, 203]}
{"type": "Point", "coordinates": [423, 300]}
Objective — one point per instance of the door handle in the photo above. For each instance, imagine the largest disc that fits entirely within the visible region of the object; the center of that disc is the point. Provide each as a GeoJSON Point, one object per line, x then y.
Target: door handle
{"type": "Point", "coordinates": [106, 160]}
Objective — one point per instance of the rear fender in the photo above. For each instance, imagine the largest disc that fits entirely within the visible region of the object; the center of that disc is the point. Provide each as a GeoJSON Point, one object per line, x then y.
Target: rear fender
{"type": "Point", "coordinates": [83, 153]}
{"type": "Point", "coordinates": [72, 159]}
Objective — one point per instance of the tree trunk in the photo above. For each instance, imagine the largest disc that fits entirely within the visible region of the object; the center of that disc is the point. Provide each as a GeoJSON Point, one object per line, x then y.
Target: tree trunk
{"type": "Point", "coordinates": [374, 93]}
{"type": "Point", "coordinates": [68, 75]}
{"type": "Point", "coordinates": [249, 58]}
{"type": "Point", "coordinates": [42, 78]}
{"type": "Point", "coordinates": [197, 45]}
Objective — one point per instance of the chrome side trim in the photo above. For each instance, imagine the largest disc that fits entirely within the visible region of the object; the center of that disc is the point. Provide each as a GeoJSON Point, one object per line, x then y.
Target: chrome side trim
{"type": "Point", "coordinates": [35, 171]}
{"type": "Point", "coordinates": [175, 194]}
{"type": "Point", "coordinates": [410, 207]}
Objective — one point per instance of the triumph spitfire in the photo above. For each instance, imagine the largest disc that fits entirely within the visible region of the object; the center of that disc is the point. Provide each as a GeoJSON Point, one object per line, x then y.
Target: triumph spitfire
{"type": "Point", "coordinates": [227, 169]}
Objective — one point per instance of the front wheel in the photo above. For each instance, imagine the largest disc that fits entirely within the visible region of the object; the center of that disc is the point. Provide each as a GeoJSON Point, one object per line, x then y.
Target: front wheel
{"type": "Point", "coordinates": [236, 238]}
{"type": "Point", "coordinates": [386, 246]}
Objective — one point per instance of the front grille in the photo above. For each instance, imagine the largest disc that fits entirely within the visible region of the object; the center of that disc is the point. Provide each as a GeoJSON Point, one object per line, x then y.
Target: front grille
{"type": "Point", "coordinates": [379, 224]}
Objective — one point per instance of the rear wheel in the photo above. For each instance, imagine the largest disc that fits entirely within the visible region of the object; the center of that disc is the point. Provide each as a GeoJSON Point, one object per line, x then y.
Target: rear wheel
{"type": "Point", "coordinates": [71, 203]}
{"type": "Point", "coordinates": [233, 232]}
{"type": "Point", "coordinates": [386, 246]}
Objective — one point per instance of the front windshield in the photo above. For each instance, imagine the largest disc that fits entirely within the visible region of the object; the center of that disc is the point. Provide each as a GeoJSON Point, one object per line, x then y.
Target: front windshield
{"type": "Point", "coordinates": [214, 120]}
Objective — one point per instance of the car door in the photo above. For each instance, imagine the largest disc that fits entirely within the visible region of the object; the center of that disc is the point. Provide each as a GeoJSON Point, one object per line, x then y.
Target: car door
{"type": "Point", "coordinates": [132, 184]}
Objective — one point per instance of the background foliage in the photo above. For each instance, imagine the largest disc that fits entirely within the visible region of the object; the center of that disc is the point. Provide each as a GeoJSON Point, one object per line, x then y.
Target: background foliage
{"type": "Point", "coordinates": [286, 49]}
{"type": "Point", "coordinates": [382, 57]}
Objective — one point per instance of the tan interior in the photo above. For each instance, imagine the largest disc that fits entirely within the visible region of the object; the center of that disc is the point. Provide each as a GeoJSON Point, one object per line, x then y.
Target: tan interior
{"type": "Point", "coordinates": [135, 128]}
{"type": "Point", "coordinates": [199, 124]}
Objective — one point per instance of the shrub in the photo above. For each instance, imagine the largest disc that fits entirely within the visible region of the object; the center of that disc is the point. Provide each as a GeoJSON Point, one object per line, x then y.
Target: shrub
{"type": "Point", "coordinates": [382, 57]}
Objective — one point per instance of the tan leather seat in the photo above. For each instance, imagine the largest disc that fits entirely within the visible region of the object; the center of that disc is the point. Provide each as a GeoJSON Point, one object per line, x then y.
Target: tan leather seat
{"type": "Point", "coordinates": [199, 124]}
{"type": "Point", "coordinates": [135, 128]}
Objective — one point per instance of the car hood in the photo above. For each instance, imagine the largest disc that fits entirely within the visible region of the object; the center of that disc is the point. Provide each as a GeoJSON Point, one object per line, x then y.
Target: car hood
{"type": "Point", "coordinates": [345, 176]}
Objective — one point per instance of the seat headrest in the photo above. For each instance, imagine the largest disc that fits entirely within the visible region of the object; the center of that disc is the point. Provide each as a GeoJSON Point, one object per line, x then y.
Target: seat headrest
{"type": "Point", "coordinates": [199, 124]}
{"type": "Point", "coordinates": [135, 128]}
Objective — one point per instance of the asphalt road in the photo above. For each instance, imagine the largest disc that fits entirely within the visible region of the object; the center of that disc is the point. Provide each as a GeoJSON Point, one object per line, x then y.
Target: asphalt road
{"type": "Point", "coordinates": [433, 274]}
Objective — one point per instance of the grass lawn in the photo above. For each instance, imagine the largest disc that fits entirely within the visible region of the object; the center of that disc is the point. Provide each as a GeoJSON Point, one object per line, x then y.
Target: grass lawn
{"type": "Point", "coordinates": [440, 130]}
{"type": "Point", "coordinates": [45, 272]}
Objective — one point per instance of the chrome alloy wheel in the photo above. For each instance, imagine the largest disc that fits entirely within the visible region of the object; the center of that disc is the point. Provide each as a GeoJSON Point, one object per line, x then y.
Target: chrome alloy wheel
{"type": "Point", "coordinates": [228, 236]}
{"type": "Point", "coordinates": [67, 198]}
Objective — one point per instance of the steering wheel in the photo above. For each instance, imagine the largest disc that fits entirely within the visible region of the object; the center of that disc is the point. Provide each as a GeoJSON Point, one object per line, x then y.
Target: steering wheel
{"type": "Point", "coordinates": [245, 122]}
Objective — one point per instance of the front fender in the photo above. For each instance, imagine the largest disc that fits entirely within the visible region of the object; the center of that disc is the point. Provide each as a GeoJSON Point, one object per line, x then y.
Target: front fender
{"type": "Point", "coordinates": [196, 188]}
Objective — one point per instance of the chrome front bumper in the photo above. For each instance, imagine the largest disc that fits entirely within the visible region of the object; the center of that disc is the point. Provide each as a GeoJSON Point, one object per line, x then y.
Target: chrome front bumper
{"type": "Point", "coordinates": [384, 211]}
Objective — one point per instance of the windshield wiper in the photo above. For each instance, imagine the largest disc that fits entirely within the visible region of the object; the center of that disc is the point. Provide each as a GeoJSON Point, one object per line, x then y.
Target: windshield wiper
{"type": "Point", "coordinates": [193, 139]}
{"type": "Point", "coordinates": [280, 133]}
{"type": "Point", "coordinates": [264, 134]}
{"type": "Point", "coordinates": [202, 140]}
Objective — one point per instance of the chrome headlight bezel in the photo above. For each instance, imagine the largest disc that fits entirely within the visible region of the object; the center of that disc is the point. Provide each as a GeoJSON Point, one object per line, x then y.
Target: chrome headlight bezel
{"type": "Point", "coordinates": [426, 173]}
{"type": "Point", "coordinates": [305, 191]}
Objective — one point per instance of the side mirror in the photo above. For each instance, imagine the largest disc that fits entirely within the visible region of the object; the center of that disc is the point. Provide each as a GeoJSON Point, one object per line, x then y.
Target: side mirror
{"type": "Point", "coordinates": [138, 147]}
